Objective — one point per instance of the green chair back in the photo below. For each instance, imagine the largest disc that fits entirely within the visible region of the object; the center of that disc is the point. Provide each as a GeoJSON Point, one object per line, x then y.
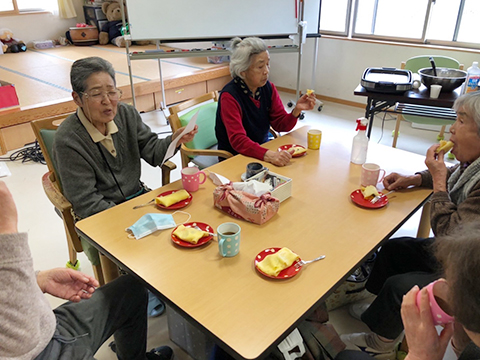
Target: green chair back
{"type": "Point", "coordinates": [423, 61]}
{"type": "Point", "coordinates": [48, 136]}
{"type": "Point", "coordinates": [419, 62]}
{"type": "Point", "coordinates": [205, 138]}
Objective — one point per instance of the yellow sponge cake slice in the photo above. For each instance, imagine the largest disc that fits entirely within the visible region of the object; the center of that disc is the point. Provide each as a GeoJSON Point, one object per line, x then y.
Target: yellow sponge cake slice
{"type": "Point", "coordinates": [173, 198]}
{"type": "Point", "coordinates": [369, 192]}
{"type": "Point", "coordinates": [273, 264]}
{"type": "Point", "coordinates": [446, 146]}
{"type": "Point", "coordinates": [189, 234]}
{"type": "Point", "coordinates": [297, 150]}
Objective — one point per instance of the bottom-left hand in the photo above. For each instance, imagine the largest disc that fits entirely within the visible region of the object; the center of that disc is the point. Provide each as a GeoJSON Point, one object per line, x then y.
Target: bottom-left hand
{"type": "Point", "coordinates": [67, 284]}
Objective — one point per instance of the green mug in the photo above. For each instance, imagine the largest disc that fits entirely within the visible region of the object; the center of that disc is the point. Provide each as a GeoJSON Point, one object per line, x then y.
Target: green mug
{"type": "Point", "coordinates": [228, 235]}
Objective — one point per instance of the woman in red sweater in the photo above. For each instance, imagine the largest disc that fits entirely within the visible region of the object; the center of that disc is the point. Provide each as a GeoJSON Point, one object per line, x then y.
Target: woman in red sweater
{"type": "Point", "coordinates": [250, 104]}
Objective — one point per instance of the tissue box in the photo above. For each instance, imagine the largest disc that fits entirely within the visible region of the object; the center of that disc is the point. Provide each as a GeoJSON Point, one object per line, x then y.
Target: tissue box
{"type": "Point", "coordinates": [282, 191]}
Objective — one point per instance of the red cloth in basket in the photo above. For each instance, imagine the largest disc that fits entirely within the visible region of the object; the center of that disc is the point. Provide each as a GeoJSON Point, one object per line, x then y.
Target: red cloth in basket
{"type": "Point", "coordinates": [245, 206]}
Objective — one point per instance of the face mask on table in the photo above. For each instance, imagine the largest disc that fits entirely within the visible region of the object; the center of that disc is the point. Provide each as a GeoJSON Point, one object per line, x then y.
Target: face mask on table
{"type": "Point", "coordinates": [149, 223]}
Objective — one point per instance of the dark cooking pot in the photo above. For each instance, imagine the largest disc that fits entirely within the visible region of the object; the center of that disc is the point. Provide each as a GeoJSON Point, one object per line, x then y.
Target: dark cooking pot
{"type": "Point", "coordinates": [450, 79]}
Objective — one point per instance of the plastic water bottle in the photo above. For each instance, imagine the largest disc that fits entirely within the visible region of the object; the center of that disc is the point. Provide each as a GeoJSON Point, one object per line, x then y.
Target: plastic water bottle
{"type": "Point", "coordinates": [360, 142]}
{"type": "Point", "coordinates": [473, 77]}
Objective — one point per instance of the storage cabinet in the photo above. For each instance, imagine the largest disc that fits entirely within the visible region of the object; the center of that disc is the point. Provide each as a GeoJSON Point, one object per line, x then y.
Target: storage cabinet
{"type": "Point", "coordinates": [94, 16]}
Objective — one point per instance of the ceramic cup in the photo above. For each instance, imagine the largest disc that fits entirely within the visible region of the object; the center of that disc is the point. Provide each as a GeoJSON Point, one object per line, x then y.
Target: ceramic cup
{"type": "Point", "coordinates": [228, 239]}
{"type": "Point", "coordinates": [371, 174]}
{"type": "Point", "coordinates": [191, 178]}
{"type": "Point", "coordinates": [314, 138]}
{"type": "Point", "coordinates": [253, 168]}
{"type": "Point", "coordinates": [435, 91]}
{"type": "Point", "coordinates": [437, 292]}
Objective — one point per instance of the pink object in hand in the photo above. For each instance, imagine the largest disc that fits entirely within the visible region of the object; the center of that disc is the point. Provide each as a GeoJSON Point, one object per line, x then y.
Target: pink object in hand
{"type": "Point", "coordinates": [437, 289]}
{"type": "Point", "coordinates": [191, 178]}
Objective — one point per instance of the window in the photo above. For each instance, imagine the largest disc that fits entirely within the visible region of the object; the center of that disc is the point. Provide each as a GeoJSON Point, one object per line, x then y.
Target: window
{"type": "Point", "coordinates": [24, 6]}
{"type": "Point", "coordinates": [387, 18]}
{"type": "Point", "coordinates": [443, 22]}
{"type": "Point", "coordinates": [332, 14]}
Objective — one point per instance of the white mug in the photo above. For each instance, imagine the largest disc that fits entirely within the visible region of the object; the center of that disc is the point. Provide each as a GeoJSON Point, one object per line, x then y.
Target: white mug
{"type": "Point", "coordinates": [371, 174]}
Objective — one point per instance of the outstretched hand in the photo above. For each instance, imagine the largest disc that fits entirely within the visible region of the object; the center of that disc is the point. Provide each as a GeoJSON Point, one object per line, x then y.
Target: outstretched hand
{"type": "Point", "coordinates": [306, 102]}
{"type": "Point", "coordinates": [396, 181]}
{"type": "Point", "coordinates": [67, 284]}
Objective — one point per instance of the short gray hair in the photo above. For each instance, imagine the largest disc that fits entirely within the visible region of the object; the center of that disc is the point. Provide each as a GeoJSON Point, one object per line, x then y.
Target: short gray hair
{"type": "Point", "coordinates": [83, 68]}
{"type": "Point", "coordinates": [242, 52]}
{"type": "Point", "coordinates": [471, 104]}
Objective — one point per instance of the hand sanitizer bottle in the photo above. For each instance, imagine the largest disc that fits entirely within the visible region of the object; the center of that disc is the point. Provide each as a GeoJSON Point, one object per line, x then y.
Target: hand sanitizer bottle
{"type": "Point", "coordinates": [360, 142]}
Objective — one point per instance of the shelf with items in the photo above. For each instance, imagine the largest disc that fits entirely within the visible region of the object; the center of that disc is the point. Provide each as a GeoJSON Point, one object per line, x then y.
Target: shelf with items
{"type": "Point", "coordinates": [94, 16]}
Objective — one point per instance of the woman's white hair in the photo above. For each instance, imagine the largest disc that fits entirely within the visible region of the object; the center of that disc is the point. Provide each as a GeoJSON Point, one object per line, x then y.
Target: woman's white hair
{"type": "Point", "coordinates": [242, 52]}
{"type": "Point", "coordinates": [471, 105]}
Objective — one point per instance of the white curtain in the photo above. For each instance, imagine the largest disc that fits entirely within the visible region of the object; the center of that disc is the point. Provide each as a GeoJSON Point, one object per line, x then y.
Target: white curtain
{"type": "Point", "coordinates": [66, 9]}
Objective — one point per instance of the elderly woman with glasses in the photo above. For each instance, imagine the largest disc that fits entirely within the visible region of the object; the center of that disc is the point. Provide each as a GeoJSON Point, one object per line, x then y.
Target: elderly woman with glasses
{"type": "Point", "coordinates": [97, 150]}
{"type": "Point", "coordinates": [250, 104]}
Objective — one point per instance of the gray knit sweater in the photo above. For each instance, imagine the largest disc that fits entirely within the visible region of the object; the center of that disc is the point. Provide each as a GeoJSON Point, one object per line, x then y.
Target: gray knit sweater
{"type": "Point", "coordinates": [86, 177]}
{"type": "Point", "coordinates": [445, 215]}
{"type": "Point", "coordinates": [27, 322]}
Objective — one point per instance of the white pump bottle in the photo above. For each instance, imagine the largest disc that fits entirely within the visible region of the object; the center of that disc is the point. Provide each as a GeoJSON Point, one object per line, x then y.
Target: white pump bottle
{"type": "Point", "coordinates": [360, 143]}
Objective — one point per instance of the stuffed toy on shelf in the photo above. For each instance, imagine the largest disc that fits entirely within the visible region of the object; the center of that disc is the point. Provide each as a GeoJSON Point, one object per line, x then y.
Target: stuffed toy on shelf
{"type": "Point", "coordinates": [9, 43]}
{"type": "Point", "coordinates": [111, 32]}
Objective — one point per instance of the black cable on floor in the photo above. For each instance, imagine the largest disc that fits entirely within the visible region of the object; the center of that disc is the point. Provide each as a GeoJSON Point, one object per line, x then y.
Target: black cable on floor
{"type": "Point", "coordinates": [31, 152]}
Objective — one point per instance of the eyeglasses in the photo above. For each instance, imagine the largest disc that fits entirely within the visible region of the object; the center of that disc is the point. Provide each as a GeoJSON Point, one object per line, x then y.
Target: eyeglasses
{"type": "Point", "coordinates": [98, 95]}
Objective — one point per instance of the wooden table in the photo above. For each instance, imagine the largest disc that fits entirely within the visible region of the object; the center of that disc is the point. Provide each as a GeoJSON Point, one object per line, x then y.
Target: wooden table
{"type": "Point", "coordinates": [247, 313]}
{"type": "Point", "coordinates": [422, 103]}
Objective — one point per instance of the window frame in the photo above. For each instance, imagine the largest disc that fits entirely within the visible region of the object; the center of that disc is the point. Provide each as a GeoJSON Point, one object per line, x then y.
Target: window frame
{"type": "Point", "coordinates": [16, 11]}
{"type": "Point", "coordinates": [421, 40]}
{"type": "Point", "coordinates": [348, 21]}
{"type": "Point", "coordinates": [351, 19]}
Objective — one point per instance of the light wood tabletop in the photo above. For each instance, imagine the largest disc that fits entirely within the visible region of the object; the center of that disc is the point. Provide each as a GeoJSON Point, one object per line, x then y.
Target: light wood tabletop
{"type": "Point", "coordinates": [246, 312]}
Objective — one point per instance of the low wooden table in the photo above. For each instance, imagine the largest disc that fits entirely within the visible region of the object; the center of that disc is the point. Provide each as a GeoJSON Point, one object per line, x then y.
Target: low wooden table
{"type": "Point", "coordinates": [247, 313]}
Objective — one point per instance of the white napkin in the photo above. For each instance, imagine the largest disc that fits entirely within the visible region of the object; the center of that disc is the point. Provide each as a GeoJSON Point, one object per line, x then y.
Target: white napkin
{"type": "Point", "coordinates": [218, 179]}
{"type": "Point", "coordinates": [254, 187]}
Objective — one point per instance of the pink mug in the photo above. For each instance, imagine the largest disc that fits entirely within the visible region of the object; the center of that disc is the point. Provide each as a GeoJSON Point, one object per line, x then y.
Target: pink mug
{"type": "Point", "coordinates": [191, 178]}
{"type": "Point", "coordinates": [371, 174]}
{"type": "Point", "coordinates": [437, 292]}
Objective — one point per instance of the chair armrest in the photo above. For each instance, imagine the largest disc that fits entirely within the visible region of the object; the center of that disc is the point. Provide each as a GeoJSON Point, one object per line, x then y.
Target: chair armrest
{"type": "Point", "coordinates": [65, 207]}
{"type": "Point", "coordinates": [273, 132]}
{"type": "Point", "coordinates": [167, 167]}
{"type": "Point", "coordinates": [54, 195]}
{"type": "Point", "coordinates": [205, 152]}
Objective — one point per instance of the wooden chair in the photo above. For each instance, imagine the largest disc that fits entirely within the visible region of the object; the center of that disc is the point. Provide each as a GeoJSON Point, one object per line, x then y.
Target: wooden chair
{"type": "Point", "coordinates": [44, 130]}
{"type": "Point", "coordinates": [202, 151]}
{"type": "Point", "coordinates": [414, 64]}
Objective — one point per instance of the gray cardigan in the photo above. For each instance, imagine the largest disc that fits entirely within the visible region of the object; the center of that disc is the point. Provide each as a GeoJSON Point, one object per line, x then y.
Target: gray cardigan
{"type": "Point", "coordinates": [445, 215]}
{"type": "Point", "coordinates": [27, 322]}
{"type": "Point", "coordinates": [86, 177]}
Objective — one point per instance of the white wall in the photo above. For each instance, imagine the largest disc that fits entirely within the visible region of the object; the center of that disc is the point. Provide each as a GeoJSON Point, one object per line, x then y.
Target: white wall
{"type": "Point", "coordinates": [341, 64]}
{"type": "Point", "coordinates": [46, 26]}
